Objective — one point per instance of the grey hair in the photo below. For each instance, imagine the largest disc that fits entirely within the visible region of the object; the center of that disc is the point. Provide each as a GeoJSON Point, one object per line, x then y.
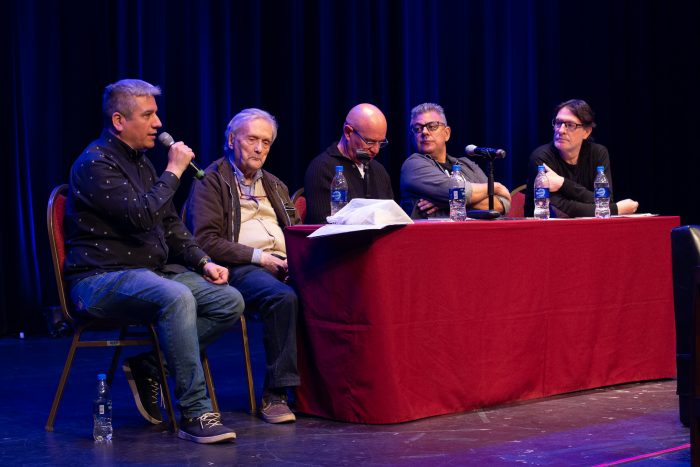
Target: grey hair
{"type": "Point", "coordinates": [118, 97]}
{"type": "Point", "coordinates": [428, 107]}
{"type": "Point", "coordinates": [248, 115]}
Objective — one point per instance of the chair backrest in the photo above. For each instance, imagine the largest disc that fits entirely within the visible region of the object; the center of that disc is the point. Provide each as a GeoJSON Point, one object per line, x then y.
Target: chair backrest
{"type": "Point", "coordinates": [517, 201]}
{"type": "Point", "coordinates": [299, 201]}
{"type": "Point", "coordinates": [54, 222]}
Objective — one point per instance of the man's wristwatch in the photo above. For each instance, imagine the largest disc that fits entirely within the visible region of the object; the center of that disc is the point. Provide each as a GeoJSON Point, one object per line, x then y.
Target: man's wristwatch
{"type": "Point", "coordinates": [203, 262]}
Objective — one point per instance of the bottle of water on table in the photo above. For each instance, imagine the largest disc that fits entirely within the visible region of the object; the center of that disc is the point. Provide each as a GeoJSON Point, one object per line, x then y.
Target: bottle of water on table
{"type": "Point", "coordinates": [541, 194]}
{"type": "Point", "coordinates": [339, 191]}
{"type": "Point", "coordinates": [102, 411]}
{"type": "Point", "coordinates": [601, 193]}
{"type": "Point", "coordinates": [458, 202]}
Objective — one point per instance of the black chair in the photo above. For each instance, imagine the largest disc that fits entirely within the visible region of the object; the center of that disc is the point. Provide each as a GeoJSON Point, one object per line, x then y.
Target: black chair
{"type": "Point", "coordinates": [694, 405]}
{"type": "Point", "coordinates": [685, 247]}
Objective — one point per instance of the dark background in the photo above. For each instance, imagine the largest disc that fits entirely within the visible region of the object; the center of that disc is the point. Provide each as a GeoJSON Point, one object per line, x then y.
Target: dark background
{"type": "Point", "coordinates": [498, 68]}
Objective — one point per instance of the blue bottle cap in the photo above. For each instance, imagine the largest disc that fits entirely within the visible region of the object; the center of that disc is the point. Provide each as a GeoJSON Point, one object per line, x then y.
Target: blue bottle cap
{"type": "Point", "coordinates": [455, 167]}
{"type": "Point", "coordinates": [600, 168]}
{"type": "Point", "coordinates": [540, 167]}
{"type": "Point", "coordinates": [101, 377]}
{"type": "Point", "coordinates": [338, 168]}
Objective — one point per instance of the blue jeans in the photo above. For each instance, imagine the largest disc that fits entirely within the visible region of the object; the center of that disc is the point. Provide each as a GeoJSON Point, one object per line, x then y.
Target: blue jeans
{"type": "Point", "coordinates": [277, 305]}
{"type": "Point", "coordinates": [189, 313]}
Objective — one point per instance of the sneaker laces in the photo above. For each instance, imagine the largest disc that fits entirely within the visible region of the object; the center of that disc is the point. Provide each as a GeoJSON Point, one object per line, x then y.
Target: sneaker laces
{"type": "Point", "coordinates": [155, 390]}
{"type": "Point", "coordinates": [210, 419]}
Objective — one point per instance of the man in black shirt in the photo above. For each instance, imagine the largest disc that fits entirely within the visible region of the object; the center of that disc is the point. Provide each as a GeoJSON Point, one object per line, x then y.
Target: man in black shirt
{"type": "Point", "coordinates": [123, 236]}
{"type": "Point", "coordinates": [364, 129]}
{"type": "Point", "coordinates": [571, 162]}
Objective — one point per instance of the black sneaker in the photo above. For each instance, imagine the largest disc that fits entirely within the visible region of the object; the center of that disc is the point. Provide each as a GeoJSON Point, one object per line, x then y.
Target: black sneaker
{"type": "Point", "coordinates": [145, 389]}
{"type": "Point", "coordinates": [205, 429]}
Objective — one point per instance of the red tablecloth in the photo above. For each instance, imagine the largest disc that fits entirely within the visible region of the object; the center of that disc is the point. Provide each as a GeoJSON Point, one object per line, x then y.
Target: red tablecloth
{"type": "Point", "coordinates": [436, 318]}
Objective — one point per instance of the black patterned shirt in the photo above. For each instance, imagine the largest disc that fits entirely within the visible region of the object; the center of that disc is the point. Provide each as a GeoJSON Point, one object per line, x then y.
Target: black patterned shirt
{"type": "Point", "coordinates": [120, 214]}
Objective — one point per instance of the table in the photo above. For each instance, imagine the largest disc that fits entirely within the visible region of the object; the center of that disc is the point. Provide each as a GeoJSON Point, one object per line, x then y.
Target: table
{"type": "Point", "coordinates": [435, 318]}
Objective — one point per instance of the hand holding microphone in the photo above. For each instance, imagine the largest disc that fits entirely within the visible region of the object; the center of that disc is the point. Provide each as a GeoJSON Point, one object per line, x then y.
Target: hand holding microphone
{"type": "Point", "coordinates": [168, 141]}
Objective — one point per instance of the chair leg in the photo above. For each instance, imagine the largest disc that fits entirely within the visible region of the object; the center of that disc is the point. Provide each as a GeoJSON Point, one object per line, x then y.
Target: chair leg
{"type": "Point", "coordinates": [64, 377]}
{"type": "Point", "coordinates": [248, 367]}
{"type": "Point", "coordinates": [115, 358]}
{"type": "Point", "coordinates": [209, 381]}
{"type": "Point", "coordinates": [165, 389]}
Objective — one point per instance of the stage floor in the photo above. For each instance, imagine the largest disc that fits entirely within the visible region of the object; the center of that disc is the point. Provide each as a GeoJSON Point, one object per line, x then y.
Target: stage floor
{"type": "Point", "coordinates": [586, 428]}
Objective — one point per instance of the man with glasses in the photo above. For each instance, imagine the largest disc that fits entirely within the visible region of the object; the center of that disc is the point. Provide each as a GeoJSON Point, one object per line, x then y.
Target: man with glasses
{"type": "Point", "coordinates": [425, 175]}
{"type": "Point", "coordinates": [364, 130]}
{"type": "Point", "coordinates": [237, 213]}
{"type": "Point", "coordinates": [570, 161]}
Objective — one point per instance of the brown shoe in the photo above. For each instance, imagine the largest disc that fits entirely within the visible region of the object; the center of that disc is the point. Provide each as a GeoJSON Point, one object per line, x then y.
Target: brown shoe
{"type": "Point", "coordinates": [275, 409]}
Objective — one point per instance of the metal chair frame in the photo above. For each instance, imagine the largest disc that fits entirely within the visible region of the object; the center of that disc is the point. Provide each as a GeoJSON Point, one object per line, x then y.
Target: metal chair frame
{"type": "Point", "coordinates": [130, 333]}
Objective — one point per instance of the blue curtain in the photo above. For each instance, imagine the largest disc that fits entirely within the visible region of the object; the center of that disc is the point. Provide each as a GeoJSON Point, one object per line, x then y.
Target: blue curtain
{"type": "Point", "coordinates": [497, 66]}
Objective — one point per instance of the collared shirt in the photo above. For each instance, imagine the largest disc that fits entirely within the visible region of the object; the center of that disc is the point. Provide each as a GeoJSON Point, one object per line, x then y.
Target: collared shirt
{"type": "Point", "coordinates": [259, 226]}
{"type": "Point", "coordinates": [120, 214]}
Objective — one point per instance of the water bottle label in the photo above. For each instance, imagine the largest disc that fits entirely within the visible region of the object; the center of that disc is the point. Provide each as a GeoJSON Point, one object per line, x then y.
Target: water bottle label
{"type": "Point", "coordinates": [602, 192]}
{"type": "Point", "coordinates": [457, 194]}
{"type": "Point", "coordinates": [541, 193]}
{"type": "Point", "coordinates": [339, 196]}
{"type": "Point", "coordinates": [102, 409]}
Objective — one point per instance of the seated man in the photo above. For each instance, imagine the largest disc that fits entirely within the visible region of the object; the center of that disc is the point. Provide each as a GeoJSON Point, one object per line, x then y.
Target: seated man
{"type": "Point", "coordinates": [237, 213]}
{"type": "Point", "coordinates": [364, 129]}
{"type": "Point", "coordinates": [121, 229]}
{"type": "Point", "coordinates": [425, 175]}
{"type": "Point", "coordinates": [571, 162]}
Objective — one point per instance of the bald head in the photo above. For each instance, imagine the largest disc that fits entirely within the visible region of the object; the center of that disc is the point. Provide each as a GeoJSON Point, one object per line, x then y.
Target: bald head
{"type": "Point", "coordinates": [364, 123]}
{"type": "Point", "coordinates": [366, 117]}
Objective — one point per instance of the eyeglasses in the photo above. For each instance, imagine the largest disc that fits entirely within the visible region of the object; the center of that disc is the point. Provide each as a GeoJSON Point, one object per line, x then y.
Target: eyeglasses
{"type": "Point", "coordinates": [571, 126]}
{"type": "Point", "coordinates": [255, 198]}
{"type": "Point", "coordinates": [431, 126]}
{"type": "Point", "coordinates": [370, 142]}
{"type": "Point", "coordinates": [247, 196]}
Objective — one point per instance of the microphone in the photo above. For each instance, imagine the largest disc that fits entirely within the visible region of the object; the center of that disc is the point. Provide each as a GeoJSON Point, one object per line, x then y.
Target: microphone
{"type": "Point", "coordinates": [167, 141]}
{"type": "Point", "coordinates": [472, 150]}
{"type": "Point", "coordinates": [364, 157]}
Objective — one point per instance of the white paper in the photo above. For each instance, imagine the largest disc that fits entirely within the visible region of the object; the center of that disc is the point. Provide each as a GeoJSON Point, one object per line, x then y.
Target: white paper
{"type": "Point", "coordinates": [364, 214]}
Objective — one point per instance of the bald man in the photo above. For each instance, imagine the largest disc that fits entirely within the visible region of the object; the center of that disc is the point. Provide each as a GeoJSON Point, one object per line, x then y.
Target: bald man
{"type": "Point", "coordinates": [364, 129]}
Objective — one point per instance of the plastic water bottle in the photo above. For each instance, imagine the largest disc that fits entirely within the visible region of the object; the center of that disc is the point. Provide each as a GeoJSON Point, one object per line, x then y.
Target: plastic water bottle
{"type": "Point", "coordinates": [102, 411]}
{"type": "Point", "coordinates": [339, 191]}
{"type": "Point", "coordinates": [541, 194]}
{"type": "Point", "coordinates": [601, 192]}
{"type": "Point", "coordinates": [458, 202]}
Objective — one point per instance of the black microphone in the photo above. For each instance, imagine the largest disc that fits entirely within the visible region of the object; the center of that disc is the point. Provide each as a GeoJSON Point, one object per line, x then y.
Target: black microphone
{"type": "Point", "coordinates": [472, 150]}
{"type": "Point", "coordinates": [364, 157]}
{"type": "Point", "coordinates": [167, 141]}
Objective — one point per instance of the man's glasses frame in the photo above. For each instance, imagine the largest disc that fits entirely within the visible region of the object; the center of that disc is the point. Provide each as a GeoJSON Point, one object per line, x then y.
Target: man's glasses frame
{"type": "Point", "coordinates": [571, 126]}
{"type": "Point", "coordinates": [431, 126]}
{"type": "Point", "coordinates": [246, 196]}
{"type": "Point", "coordinates": [368, 142]}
